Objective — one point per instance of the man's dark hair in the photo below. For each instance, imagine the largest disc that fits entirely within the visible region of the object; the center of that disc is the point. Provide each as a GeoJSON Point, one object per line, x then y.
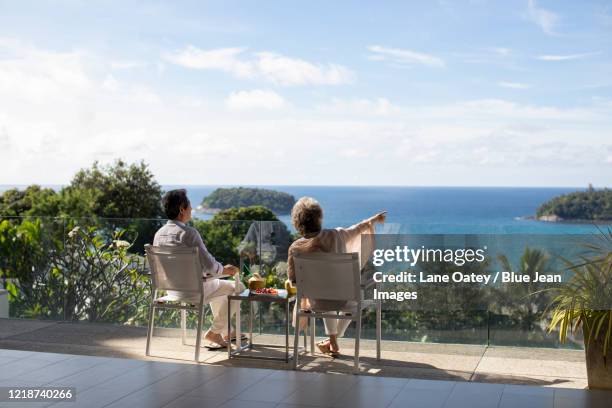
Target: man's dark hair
{"type": "Point", "coordinates": [173, 202]}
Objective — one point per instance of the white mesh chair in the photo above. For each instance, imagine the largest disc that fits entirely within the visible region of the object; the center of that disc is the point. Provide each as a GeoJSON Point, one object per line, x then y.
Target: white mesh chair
{"type": "Point", "coordinates": [178, 271]}
{"type": "Point", "coordinates": [333, 277]}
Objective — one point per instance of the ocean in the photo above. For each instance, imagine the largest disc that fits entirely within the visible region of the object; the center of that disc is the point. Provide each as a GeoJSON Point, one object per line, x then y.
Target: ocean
{"type": "Point", "coordinates": [429, 210]}
{"type": "Point", "coordinates": [425, 210]}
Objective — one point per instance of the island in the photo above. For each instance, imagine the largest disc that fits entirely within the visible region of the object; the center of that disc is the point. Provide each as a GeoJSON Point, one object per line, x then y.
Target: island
{"type": "Point", "coordinates": [589, 205]}
{"type": "Point", "coordinates": [224, 198]}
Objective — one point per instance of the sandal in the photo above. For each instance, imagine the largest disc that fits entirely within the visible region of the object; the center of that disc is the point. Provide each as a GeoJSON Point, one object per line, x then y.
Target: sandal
{"type": "Point", "coordinates": [324, 347]}
{"type": "Point", "coordinates": [242, 337]}
{"type": "Point", "coordinates": [215, 346]}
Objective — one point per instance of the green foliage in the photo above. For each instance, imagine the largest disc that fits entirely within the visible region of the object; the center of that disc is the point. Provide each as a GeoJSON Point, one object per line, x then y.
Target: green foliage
{"type": "Point", "coordinates": [16, 202]}
{"type": "Point", "coordinates": [117, 191]}
{"type": "Point", "coordinates": [87, 275]}
{"type": "Point", "coordinates": [120, 190]}
{"type": "Point", "coordinates": [225, 232]}
{"type": "Point", "coordinates": [222, 238]}
{"type": "Point", "coordinates": [584, 301]}
{"type": "Point", "coordinates": [125, 196]}
{"type": "Point", "coordinates": [25, 248]}
{"type": "Point", "coordinates": [525, 303]}
{"type": "Point", "coordinates": [223, 198]}
{"type": "Point", "coordinates": [592, 204]}
{"type": "Point", "coordinates": [252, 213]}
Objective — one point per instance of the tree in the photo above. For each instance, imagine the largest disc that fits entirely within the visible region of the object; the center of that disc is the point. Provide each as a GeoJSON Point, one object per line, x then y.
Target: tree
{"type": "Point", "coordinates": [224, 198]}
{"type": "Point", "coordinates": [120, 190]}
{"type": "Point", "coordinates": [116, 191]}
{"type": "Point", "coordinates": [252, 213]}
{"type": "Point", "coordinates": [581, 205]}
{"type": "Point", "coordinates": [15, 203]}
{"type": "Point", "coordinates": [224, 233]}
{"type": "Point", "coordinates": [526, 302]}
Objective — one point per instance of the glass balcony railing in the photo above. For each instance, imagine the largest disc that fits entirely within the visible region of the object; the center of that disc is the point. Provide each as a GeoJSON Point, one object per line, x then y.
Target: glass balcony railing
{"type": "Point", "coordinates": [94, 270]}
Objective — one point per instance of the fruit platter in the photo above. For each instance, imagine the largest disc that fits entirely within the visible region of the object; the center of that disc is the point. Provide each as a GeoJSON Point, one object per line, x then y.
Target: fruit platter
{"type": "Point", "coordinates": [266, 291]}
{"type": "Point", "coordinates": [257, 286]}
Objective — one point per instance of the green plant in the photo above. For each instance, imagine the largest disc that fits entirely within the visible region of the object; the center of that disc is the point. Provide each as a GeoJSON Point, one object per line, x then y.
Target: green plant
{"type": "Point", "coordinates": [528, 301]}
{"type": "Point", "coordinates": [583, 302]}
{"type": "Point", "coordinates": [86, 274]}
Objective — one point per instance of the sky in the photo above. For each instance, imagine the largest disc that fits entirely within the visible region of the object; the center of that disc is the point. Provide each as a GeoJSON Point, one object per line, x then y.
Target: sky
{"type": "Point", "coordinates": [415, 93]}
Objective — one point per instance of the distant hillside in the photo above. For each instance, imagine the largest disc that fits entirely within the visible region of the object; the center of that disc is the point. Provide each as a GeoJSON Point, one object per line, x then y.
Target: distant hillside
{"type": "Point", "coordinates": [593, 205]}
{"type": "Point", "coordinates": [223, 198]}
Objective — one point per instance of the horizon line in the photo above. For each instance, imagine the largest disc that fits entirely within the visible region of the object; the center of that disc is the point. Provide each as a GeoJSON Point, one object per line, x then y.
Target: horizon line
{"type": "Point", "coordinates": [52, 185]}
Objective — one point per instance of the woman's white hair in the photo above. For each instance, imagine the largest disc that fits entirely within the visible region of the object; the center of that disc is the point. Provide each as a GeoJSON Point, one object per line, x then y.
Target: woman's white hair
{"type": "Point", "coordinates": [307, 216]}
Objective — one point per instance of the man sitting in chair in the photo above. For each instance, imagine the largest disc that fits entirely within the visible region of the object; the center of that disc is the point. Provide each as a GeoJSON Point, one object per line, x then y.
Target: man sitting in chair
{"type": "Point", "coordinates": [176, 233]}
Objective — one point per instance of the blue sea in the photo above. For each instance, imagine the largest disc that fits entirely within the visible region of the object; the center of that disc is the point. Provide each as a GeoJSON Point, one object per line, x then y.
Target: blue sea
{"type": "Point", "coordinates": [425, 210]}
{"type": "Point", "coordinates": [429, 210]}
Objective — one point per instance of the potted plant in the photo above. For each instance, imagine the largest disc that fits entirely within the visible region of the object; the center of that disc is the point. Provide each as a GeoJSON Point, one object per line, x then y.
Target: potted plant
{"type": "Point", "coordinates": [585, 302]}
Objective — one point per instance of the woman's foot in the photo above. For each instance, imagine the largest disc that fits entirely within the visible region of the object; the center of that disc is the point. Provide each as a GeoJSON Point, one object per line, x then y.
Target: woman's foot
{"type": "Point", "coordinates": [215, 338]}
{"type": "Point", "coordinates": [333, 345]}
{"type": "Point", "coordinates": [326, 347]}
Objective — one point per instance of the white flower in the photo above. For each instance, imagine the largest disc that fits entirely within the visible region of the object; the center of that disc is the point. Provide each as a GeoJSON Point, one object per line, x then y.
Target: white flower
{"type": "Point", "coordinates": [119, 243]}
{"type": "Point", "coordinates": [74, 232]}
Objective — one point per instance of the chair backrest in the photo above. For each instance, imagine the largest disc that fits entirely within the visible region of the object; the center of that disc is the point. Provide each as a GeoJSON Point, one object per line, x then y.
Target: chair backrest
{"type": "Point", "coordinates": [328, 276]}
{"type": "Point", "coordinates": [175, 268]}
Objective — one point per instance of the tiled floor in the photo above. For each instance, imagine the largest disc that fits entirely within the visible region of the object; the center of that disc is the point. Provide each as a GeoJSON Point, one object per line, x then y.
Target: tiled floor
{"type": "Point", "coordinates": [449, 362]}
{"type": "Point", "coordinates": [113, 382]}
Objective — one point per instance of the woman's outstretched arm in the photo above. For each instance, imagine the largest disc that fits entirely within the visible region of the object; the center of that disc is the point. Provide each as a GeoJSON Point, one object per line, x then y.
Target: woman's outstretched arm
{"type": "Point", "coordinates": [364, 227]}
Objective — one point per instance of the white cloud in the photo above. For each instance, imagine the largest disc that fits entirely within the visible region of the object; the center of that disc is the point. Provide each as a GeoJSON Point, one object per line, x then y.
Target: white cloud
{"type": "Point", "coordinates": [292, 71]}
{"type": "Point", "coordinates": [514, 85]}
{"type": "Point", "coordinates": [223, 59]}
{"type": "Point", "coordinates": [273, 67]}
{"type": "Point", "coordinates": [125, 65]}
{"type": "Point", "coordinates": [354, 153]}
{"type": "Point", "coordinates": [255, 99]}
{"type": "Point", "coordinates": [31, 74]}
{"type": "Point", "coordinates": [487, 110]}
{"type": "Point", "coordinates": [500, 109]}
{"type": "Point", "coordinates": [502, 51]}
{"type": "Point", "coordinates": [501, 56]}
{"type": "Point", "coordinates": [404, 56]}
{"type": "Point", "coordinates": [360, 107]}
{"type": "Point", "coordinates": [566, 57]}
{"type": "Point", "coordinates": [59, 109]}
{"type": "Point", "coordinates": [545, 19]}
{"type": "Point", "coordinates": [142, 94]}
{"type": "Point", "coordinates": [88, 111]}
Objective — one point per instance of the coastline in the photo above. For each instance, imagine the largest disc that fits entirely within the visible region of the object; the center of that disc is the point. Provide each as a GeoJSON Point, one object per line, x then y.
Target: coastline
{"type": "Point", "coordinates": [558, 220]}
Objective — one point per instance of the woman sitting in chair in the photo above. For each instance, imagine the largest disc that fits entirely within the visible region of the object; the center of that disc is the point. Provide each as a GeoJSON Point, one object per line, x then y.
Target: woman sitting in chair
{"type": "Point", "coordinates": [307, 217]}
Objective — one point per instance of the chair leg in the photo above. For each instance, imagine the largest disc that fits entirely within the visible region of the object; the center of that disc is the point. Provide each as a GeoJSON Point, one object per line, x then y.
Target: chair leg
{"type": "Point", "coordinates": [357, 338]}
{"type": "Point", "coordinates": [312, 335]}
{"type": "Point", "coordinates": [296, 340]}
{"type": "Point", "coordinates": [199, 334]}
{"type": "Point", "coordinates": [378, 328]}
{"type": "Point", "coordinates": [150, 328]}
{"type": "Point", "coordinates": [184, 326]}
